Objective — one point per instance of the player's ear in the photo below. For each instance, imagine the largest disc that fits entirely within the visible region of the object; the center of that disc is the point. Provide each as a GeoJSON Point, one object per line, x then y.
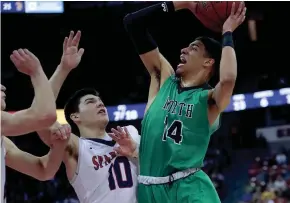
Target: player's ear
{"type": "Point", "coordinates": [74, 117]}
{"type": "Point", "coordinates": [208, 62]}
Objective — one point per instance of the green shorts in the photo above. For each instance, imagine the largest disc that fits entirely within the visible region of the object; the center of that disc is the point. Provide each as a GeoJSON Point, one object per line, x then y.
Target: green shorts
{"type": "Point", "coordinates": [196, 188]}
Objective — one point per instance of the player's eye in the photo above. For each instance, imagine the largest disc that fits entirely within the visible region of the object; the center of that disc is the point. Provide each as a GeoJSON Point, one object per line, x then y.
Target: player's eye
{"type": "Point", "coordinates": [193, 47]}
{"type": "Point", "coordinates": [90, 101]}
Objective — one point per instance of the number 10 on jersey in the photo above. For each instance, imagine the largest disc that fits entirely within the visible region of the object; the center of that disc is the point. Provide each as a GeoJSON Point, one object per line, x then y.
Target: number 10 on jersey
{"type": "Point", "coordinates": [123, 175]}
{"type": "Point", "coordinates": [174, 131]}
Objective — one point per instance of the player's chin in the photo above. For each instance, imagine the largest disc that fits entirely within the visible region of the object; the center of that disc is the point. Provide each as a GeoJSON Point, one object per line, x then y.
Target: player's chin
{"type": "Point", "coordinates": [180, 69]}
{"type": "Point", "coordinates": [104, 118]}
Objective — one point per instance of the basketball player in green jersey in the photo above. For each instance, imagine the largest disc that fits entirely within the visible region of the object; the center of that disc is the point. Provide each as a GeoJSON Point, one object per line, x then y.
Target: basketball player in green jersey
{"type": "Point", "coordinates": [182, 110]}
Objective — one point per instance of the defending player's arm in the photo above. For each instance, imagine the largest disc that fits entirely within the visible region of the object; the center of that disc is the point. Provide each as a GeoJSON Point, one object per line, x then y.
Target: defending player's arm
{"type": "Point", "coordinates": [228, 67]}
{"type": "Point", "coordinates": [137, 25]}
{"type": "Point", "coordinates": [42, 168]}
{"type": "Point", "coordinates": [55, 132]}
{"type": "Point", "coordinates": [42, 112]}
{"type": "Point", "coordinates": [70, 59]}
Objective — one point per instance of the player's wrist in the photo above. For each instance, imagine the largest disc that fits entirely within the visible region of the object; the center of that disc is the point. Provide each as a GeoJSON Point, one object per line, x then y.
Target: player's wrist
{"type": "Point", "coordinates": [37, 72]}
{"type": "Point", "coordinates": [63, 69]}
{"type": "Point", "coordinates": [228, 39]}
{"type": "Point", "coordinates": [226, 30]}
{"type": "Point", "coordinates": [135, 154]}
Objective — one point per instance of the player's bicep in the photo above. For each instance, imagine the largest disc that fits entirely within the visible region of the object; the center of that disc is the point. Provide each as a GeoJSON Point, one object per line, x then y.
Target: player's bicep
{"type": "Point", "coordinates": [159, 69]}
{"type": "Point", "coordinates": [22, 122]}
{"type": "Point", "coordinates": [71, 156]}
{"type": "Point", "coordinates": [22, 161]}
{"type": "Point", "coordinates": [222, 94]}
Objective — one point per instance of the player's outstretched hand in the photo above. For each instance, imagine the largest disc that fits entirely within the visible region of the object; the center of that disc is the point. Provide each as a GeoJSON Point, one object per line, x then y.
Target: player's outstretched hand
{"type": "Point", "coordinates": [71, 55]}
{"type": "Point", "coordinates": [25, 61]}
{"type": "Point", "coordinates": [236, 18]}
{"type": "Point", "coordinates": [127, 146]}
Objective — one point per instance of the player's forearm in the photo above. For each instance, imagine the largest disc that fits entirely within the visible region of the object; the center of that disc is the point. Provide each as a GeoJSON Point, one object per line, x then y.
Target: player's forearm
{"type": "Point", "coordinates": [137, 24]}
{"type": "Point", "coordinates": [52, 161]}
{"type": "Point", "coordinates": [45, 134]}
{"type": "Point", "coordinates": [57, 79]}
{"type": "Point", "coordinates": [43, 105]}
{"type": "Point", "coordinates": [228, 64]}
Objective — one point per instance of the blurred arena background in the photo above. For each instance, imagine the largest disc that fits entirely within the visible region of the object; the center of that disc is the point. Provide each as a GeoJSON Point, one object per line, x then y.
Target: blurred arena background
{"type": "Point", "coordinates": [248, 158]}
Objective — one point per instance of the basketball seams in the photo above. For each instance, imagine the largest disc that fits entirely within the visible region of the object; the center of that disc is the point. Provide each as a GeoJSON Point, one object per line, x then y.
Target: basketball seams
{"type": "Point", "coordinates": [213, 7]}
{"type": "Point", "coordinates": [213, 14]}
{"type": "Point", "coordinates": [227, 6]}
{"type": "Point", "coordinates": [211, 22]}
{"type": "Point", "coordinates": [214, 24]}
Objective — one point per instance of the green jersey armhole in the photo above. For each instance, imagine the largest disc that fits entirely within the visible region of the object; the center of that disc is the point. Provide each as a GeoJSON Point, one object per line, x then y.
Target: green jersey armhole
{"type": "Point", "coordinates": [168, 81]}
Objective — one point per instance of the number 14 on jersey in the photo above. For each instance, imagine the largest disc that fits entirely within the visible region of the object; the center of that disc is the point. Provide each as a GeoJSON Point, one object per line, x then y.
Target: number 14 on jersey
{"type": "Point", "coordinates": [174, 131]}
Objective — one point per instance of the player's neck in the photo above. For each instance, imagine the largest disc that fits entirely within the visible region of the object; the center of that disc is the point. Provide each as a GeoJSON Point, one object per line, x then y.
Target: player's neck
{"type": "Point", "coordinates": [92, 132]}
{"type": "Point", "coordinates": [192, 80]}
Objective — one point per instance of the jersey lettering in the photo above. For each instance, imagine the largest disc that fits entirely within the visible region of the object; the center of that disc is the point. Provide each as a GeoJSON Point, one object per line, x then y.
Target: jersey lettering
{"type": "Point", "coordinates": [121, 169]}
{"type": "Point", "coordinates": [180, 108]}
{"type": "Point", "coordinates": [174, 131]}
{"type": "Point", "coordinates": [104, 160]}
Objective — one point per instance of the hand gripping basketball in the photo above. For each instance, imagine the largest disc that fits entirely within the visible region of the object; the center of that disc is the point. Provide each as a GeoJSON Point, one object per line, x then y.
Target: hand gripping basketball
{"type": "Point", "coordinates": [213, 14]}
{"type": "Point", "coordinates": [127, 146]}
{"type": "Point", "coordinates": [236, 18]}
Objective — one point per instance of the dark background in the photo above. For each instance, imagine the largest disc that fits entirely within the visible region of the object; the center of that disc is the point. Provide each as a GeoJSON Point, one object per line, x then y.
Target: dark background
{"type": "Point", "coordinates": [111, 65]}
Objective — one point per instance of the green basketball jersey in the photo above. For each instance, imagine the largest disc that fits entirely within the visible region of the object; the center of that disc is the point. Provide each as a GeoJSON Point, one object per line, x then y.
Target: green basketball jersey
{"type": "Point", "coordinates": [175, 130]}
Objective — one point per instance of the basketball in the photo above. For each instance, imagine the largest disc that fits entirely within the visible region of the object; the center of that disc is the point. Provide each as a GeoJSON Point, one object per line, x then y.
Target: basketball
{"type": "Point", "coordinates": [213, 14]}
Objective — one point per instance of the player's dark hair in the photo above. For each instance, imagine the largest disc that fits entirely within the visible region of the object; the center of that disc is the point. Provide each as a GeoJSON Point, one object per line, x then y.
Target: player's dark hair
{"type": "Point", "coordinates": [72, 106]}
{"type": "Point", "coordinates": [213, 50]}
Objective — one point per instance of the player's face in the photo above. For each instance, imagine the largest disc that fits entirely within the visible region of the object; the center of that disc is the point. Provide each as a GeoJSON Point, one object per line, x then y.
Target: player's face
{"type": "Point", "coordinates": [3, 97]}
{"type": "Point", "coordinates": [192, 58]}
{"type": "Point", "coordinates": [92, 111]}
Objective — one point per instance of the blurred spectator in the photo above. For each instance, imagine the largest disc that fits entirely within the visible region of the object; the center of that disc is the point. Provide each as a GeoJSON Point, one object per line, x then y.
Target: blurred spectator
{"type": "Point", "coordinates": [280, 184]}
{"type": "Point", "coordinates": [270, 180]}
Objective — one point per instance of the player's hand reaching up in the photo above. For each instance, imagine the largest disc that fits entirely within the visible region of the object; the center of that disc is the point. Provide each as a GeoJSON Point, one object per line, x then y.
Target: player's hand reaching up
{"type": "Point", "coordinates": [71, 55]}
{"type": "Point", "coordinates": [127, 145]}
{"type": "Point", "coordinates": [25, 62]}
{"type": "Point", "coordinates": [236, 18]}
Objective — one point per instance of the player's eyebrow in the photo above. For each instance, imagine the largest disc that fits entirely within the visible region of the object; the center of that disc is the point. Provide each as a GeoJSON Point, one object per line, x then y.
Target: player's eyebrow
{"type": "Point", "coordinates": [194, 44]}
{"type": "Point", "coordinates": [90, 99]}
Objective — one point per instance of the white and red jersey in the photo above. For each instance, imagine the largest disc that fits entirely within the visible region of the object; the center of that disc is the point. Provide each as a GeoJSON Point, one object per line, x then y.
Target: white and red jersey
{"type": "Point", "coordinates": [101, 175]}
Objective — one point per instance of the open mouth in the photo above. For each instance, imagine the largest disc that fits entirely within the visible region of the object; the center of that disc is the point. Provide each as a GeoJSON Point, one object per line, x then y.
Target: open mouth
{"type": "Point", "coordinates": [102, 111]}
{"type": "Point", "coordinates": [182, 59]}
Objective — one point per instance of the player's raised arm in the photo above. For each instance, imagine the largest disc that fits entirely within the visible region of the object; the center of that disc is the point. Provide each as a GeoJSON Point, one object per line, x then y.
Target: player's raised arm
{"type": "Point", "coordinates": [42, 168]}
{"type": "Point", "coordinates": [137, 24]}
{"type": "Point", "coordinates": [228, 67]}
{"type": "Point", "coordinates": [42, 112]}
{"type": "Point", "coordinates": [70, 59]}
